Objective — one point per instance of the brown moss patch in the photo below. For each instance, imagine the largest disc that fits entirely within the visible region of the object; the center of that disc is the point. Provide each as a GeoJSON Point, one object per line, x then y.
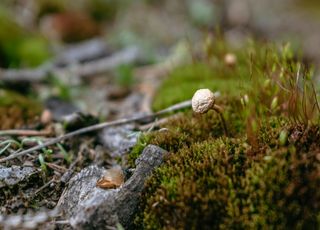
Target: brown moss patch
{"type": "Point", "coordinates": [17, 111]}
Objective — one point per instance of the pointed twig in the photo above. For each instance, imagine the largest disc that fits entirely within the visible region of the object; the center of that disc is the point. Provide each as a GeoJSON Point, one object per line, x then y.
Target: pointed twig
{"type": "Point", "coordinates": [179, 106]}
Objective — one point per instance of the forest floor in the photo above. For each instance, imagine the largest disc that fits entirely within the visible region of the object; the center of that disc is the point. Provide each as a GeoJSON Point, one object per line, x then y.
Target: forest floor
{"type": "Point", "coordinates": [68, 72]}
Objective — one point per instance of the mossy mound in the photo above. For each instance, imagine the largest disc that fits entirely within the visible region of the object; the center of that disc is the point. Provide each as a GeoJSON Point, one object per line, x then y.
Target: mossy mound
{"type": "Point", "coordinates": [17, 111]}
{"type": "Point", "coordinates": [191, 128]}
{"type": "Point", "coordinates": [224, 182]}
{"type": "Point", "coordinates": [264, 174]}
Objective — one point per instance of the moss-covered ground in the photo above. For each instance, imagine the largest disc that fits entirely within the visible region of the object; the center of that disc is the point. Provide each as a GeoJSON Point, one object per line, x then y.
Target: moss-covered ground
{"type": "Point", "coordinates": [265, 174]}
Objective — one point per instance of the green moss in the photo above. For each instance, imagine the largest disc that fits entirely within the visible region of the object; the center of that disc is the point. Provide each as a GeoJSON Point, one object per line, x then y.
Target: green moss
{"type": "Point", "coordinates": [19, 48]}
{"type": "Point", "coordinates": [33, 51]}
{"type": "Point", "coordinates": [265, 174]}
{"type": "Point", "coordinates": [142, 142]}
{"type": "Point", "coordinates": [283, 190]}
{"type": "Point", "coordinates": [196, 185]}
{"type": "Point", "coordinates": [214, 73]}
{"type": "Point", "coordinates": [219, 183]}
{"type": "Point", "coordinates": [184, 81]}
{"type": "Point", "coordinates": [191, 128]}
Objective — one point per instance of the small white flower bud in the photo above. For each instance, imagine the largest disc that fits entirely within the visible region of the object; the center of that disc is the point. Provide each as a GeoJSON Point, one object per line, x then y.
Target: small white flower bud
{"type": "Point", "coordinates": [202, 101]}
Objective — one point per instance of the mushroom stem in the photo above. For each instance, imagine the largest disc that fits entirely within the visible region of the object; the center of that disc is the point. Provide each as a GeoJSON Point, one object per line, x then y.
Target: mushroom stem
{"type": "Point", "coordinates": [219, 110]}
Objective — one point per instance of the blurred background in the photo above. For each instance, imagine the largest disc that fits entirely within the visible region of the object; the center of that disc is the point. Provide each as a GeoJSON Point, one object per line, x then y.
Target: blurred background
{"type": "Point", "coordinates": [33, 31]}
{"type": "Point", "coordinates": [65, 65]}
{"type": "Point", "coordinates": [45, 45]}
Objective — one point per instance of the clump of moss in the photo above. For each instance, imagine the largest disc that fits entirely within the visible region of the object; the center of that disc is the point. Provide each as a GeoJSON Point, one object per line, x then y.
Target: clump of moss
{"type": "Point", "coordinates": [218, 183]}
{"type": "Point", "coordinates": [195, 186]}
{"type": "Point", "coordinates": [265, 174]}
{"type": "Point", "coordinates": [17, 111]}
{"type": "Point", "coordinates": [282, 190]}
{"type": "Point", "coordinates": [191, 128]}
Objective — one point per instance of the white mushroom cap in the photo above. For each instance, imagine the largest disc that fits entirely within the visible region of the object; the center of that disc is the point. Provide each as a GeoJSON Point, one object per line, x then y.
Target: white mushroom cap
{"type": "Point", "coordinates": [202, 101]}
{"type": "Point", "coordinates": [230, 59]}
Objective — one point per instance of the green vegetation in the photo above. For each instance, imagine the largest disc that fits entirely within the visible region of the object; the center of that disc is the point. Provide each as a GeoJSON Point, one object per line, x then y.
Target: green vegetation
{"type": "Point", "coordinates": [19, 48]}
{"type": "Point", "coordinates": [265, 174]}
{"type": "Point", "coordinates": [311, 6]}
{"type": "Point", "coordinates": [17, 111]}
{"type": "Point", "coordinates": [212, 73]}
{"type": "Point", "coordinates": [225, 183]}
{"type": "Point", "coordinates": [124, 75]}
{"type": "Point", "coordinates": [184, 81]}
{"type": "Point", "coordinates": [50, 7]}
{"type": "Point", "coordinates": [104, 9]}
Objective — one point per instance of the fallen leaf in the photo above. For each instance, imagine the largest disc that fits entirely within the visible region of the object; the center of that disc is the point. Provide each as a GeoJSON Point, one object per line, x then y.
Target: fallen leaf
{"type": "Point", "coordinates": [112, 178]}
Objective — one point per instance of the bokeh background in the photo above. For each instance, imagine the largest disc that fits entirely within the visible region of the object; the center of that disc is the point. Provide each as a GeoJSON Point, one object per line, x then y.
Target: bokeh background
{"type": "Point", "coordinates": [33, 31]}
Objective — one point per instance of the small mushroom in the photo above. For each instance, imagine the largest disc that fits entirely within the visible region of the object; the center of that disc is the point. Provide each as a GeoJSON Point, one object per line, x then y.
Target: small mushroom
{"type": "Point", "coordinates": [230, 59]}
{"type": "Point", "coordinates": [204, 100]}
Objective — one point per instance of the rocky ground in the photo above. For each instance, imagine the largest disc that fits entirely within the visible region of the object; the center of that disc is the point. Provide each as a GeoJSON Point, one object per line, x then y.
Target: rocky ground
{"type": "Point", "coordinates": [124, 176]}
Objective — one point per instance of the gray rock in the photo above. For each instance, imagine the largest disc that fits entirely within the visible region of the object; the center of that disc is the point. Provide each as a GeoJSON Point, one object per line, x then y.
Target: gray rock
{"type": "Point", "coordinates": [118, 140]}
{"type": "Point", "coordinates": [89, 207]}
{"type": "Point", "coordinates": [80, 186]}
{"type": "Point", "coordinates": [15, 174]}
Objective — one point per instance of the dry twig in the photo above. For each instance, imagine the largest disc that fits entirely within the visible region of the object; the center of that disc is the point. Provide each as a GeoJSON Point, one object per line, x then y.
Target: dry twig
{"type": "Point", "coordinates": [22, 132]}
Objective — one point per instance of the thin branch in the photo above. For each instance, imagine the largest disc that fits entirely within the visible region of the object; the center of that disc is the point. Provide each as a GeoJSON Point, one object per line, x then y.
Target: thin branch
{"type": "Point", "coordinates": [158, 122]}
{"type": "Point", "coordinates": [22, 132]}
{"type": "Point", "coordinates": [179, 106]}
